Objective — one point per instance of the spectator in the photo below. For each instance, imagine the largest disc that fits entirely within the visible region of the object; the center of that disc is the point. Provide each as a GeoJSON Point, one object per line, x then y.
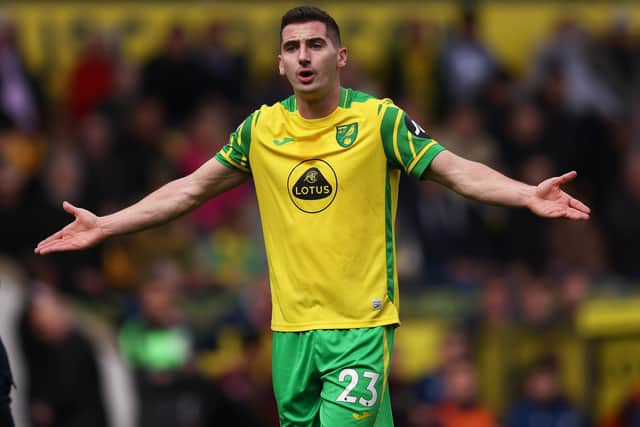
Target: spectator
{"type": "Point", "coordinates": [158, 346]}
{"type": "Point", "coordinates": [466, 65]}
{"type": "Point", "coordinates": [491, 332]}
{"type": "Point", "coordinates": [92, 75]}
{"type": "Point", "coordinates": [464, 134]}
{"type": "Point", "coordinates": [496, 103]}
{"type": "Point", "coordinates": [461, 406]}
{"type": "Point", "coordinates": [431, 388]}
{"type": "Point", "coordinates": [105, 172]}
{"type": "Point", "coordinates": [21, 101]}
{"type": "Point", "coordinates": [155, 337]}
{"type": "Point", "coordinates": [616, 57]}
{"type": "Point", "coordinates": [63, 178]}
{"type": "Point", "coordinates": [411, 64]}
{"type": "Point", "coordinates": [570, 48]}
{"type": "Point", "coordinates": [15, 208]}
{"type": "Point", "coordinates": [125, 92]}
{"type": "Point", "coordinates": [207, 134]}
{"type": "Point", "coordinates": [559, 134]}
{"type": "Point", "coordinates": [622, 224]}
{"type": "Point", "coordinates": [64, 385]}
{"type": "Point", "coordinates": [141, 147]}
{"type": "Point", "coordinates": [524, 155]}
{"type": "Point", "coordinates": [163, 77]}
{"type": "Point", "coordinates": [225, 71]}
{"type": "Point", "coordinates": [451, 234]}
{"type": "Point", "coordinates": [544, 403]}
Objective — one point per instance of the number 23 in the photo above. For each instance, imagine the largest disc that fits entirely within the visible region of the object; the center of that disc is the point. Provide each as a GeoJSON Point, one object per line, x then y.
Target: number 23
{"type": "Point", "coordinates": [345, 397]}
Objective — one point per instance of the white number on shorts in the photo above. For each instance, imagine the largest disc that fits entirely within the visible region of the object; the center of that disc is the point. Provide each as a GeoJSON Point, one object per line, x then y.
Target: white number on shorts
{"type": "Point", "coordinates": [373, 377]}
{"type": "Point", "coordinates": [351, 373]}
{"type": "Point", "coordinates": [344, 396]}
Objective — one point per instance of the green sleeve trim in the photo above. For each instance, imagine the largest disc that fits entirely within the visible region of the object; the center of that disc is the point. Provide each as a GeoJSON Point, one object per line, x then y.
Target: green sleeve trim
{"type": "Point", "coordinates": [388, 134]}
{"type": "Point", "coordinates": [244, 134]}
{"type": "Point", "coordinates": [397, 134]}
{"type": "Point", "coordinates": [227, 161]}
{"type": "Point", "coordinates": [412, 146]}
{"type": "Point", "coordinates": [424, 159]}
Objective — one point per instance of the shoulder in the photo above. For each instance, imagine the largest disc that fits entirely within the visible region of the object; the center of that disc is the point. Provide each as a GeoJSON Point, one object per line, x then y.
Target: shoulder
{"type": "Point", "coordinates": [279, 108]}
{"type": "Point", "coordinates": [355, 99]}
{"type": "Point", "coordinates": [352, 97]}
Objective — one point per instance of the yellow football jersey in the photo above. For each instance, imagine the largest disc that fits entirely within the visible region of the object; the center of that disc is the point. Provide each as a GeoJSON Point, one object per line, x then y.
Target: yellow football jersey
{"type": "Point", "coordinates": [327, 192]}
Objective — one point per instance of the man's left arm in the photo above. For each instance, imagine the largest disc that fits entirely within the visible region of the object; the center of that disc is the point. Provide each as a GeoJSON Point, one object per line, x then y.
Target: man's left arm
{"type": "Point", "coordinates": [482, 183]}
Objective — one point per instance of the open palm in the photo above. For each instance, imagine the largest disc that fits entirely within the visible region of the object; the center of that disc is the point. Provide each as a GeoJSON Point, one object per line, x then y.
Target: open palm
{"type": "Point", "coordinates": [82, 233]}
{"type": "Point", "coordinates": [550, 201]}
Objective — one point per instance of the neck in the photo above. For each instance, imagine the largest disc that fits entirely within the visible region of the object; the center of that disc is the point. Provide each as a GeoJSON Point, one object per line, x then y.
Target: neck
{"type": "Point", "coordinates": [318, 107]}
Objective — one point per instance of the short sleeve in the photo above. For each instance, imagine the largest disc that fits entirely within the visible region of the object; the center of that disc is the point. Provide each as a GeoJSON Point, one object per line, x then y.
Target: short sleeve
{"type": "Point", "coordinates": [235, 154]}
{"type": "Point", "coordinates": [407, 146]}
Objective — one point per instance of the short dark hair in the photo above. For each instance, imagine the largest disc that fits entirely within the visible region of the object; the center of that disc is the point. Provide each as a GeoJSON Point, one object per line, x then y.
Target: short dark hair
{"type": "Point", "coordinates": [302, 14]}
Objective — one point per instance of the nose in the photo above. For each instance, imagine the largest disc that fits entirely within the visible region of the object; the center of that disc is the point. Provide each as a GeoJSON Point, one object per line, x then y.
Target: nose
{"type": "Point", "coordinates": [303, 55]}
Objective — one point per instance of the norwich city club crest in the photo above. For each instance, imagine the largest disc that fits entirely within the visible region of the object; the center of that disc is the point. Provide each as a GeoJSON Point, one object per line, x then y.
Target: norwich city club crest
{"type": "Point", "coordinates": [312, 185]}
{"type": "Point", "coordinates": [346, 134]}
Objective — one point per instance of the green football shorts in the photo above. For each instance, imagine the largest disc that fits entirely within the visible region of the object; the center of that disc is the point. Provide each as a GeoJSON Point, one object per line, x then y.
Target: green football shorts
{"type": "Point", "coordinates": [333, 378]}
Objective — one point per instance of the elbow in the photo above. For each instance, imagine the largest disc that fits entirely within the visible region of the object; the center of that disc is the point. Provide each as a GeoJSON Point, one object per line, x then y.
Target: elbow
{"type": "Point", "coordinates": [192, 194]}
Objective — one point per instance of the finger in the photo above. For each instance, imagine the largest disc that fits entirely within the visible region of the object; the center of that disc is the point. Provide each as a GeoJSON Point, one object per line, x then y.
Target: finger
{"type": "Point", "coordinates": [577, 204]}
{"type": "Point", "coordinates": [54, 236]}
{"type": "Point", "coordinates": [56, 246]}
{"type": "Point", "coordinates": [576, 214]}
{"type": "Point", "coordinates": [65, 243]}
{"type": "Point", "coordinates": [57, 235]}
{"type": "Point", "coordinates": [42, 246]}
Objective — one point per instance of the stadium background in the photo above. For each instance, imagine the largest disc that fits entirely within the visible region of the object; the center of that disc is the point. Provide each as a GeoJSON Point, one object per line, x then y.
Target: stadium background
{"type": "Point", "coordinates": [93, 111]}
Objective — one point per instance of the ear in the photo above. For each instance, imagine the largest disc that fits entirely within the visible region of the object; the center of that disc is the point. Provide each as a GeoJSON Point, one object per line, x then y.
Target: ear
{"type": "Point", "coordinates": [342, 57]}
{"type": "Point", "coordinates": [280, 65]}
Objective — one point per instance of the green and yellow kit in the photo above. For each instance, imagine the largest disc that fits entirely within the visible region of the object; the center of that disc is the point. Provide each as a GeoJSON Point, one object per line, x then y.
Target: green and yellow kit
{"type": "Point", "coordinates": [327, 192]}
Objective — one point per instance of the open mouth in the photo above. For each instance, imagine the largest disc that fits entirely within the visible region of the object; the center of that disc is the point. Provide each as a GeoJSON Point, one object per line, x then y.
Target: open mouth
{"type": "Point", "coordinates": [306, 76]}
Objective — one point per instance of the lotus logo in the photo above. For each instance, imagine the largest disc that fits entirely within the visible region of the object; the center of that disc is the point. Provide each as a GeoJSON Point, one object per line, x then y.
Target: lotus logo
{"type": "Point", "coordinates": [312, 185]}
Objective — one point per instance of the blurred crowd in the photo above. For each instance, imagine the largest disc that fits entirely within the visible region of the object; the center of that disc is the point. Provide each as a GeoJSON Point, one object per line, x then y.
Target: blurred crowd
{"type": "Point", "coordinates": [187, 304]}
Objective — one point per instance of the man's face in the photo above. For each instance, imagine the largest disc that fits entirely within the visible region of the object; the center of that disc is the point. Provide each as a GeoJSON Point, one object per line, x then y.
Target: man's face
{"type": "Point", "coordinates": [309, 59]}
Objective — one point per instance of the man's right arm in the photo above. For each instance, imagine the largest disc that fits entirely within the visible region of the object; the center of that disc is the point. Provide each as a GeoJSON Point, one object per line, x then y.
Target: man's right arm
{"type": "Point", "coordinates": [168, 202]}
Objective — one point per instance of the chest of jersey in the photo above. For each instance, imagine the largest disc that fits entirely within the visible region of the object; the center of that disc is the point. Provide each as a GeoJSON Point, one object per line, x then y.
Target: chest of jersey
{"type": "Point", "coordinates": [313, 162]}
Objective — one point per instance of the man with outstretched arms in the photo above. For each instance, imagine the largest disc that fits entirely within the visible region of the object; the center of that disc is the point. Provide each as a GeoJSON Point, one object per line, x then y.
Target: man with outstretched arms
{"type": "Point", "coordinates": [326, 163]}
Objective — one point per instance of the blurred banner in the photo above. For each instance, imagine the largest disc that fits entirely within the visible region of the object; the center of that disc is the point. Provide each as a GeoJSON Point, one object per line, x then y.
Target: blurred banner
{"type": "Point", "coordinates": [51, 33]}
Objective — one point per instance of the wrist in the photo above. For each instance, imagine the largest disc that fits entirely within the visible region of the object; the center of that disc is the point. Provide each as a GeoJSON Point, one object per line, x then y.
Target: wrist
{"type": "Point", "coordinates": [527, 196]}
{"type": "Point", "coordinates": [105, 226]}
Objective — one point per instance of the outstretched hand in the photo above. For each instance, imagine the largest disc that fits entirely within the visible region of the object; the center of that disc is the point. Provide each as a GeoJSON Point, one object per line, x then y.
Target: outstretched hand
{"type": "Point", "coordinates": [82, 233]}
{"type": "Point", "coordinates": [549, 200]}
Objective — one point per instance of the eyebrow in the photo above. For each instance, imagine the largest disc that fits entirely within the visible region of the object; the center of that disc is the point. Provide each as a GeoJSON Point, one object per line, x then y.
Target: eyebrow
{"type": "Point", "coordinates": [295, 42]}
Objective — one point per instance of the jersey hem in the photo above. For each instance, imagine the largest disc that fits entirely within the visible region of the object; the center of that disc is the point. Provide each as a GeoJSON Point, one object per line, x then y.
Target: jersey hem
{"type": "Point", "coordinates": [303, 327]}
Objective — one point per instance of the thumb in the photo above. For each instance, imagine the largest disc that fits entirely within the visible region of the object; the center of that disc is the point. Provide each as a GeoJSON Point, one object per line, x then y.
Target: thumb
{"type": "Point", "coordinates": [566, 177]}
{"type": "Point", "coordinates": [69, 208]}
